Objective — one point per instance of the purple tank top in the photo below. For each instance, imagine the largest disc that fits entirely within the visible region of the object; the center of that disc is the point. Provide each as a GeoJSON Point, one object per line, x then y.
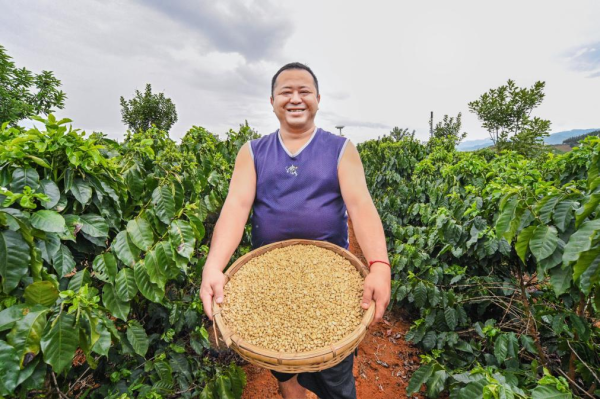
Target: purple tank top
{"type": "Point", "coordinates": [298, 195]}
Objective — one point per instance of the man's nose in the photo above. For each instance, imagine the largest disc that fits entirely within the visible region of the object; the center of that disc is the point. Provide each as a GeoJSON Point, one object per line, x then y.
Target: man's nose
{"type": "Point", "coordinates": [296, 98]}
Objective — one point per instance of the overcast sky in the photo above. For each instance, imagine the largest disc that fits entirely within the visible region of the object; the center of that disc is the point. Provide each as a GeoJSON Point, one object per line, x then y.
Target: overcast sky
{"type": "Point", "coordinates": [380, 64]}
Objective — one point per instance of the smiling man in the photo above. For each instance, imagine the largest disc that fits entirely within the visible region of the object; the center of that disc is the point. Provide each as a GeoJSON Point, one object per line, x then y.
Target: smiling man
{"type": "Point", "coordinates": [301, 182]}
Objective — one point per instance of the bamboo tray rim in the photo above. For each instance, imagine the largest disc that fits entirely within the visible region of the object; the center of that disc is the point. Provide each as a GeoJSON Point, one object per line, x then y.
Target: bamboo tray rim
{"type": "Point", "coordinates": [275, 357]}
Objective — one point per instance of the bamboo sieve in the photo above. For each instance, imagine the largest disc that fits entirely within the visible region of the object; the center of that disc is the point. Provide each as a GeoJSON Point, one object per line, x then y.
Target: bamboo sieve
{"type": "Point", "coordinates": [311, 361]}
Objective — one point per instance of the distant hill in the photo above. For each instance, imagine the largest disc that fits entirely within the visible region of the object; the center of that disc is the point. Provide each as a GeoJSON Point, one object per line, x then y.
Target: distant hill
{"type": "Point", "coordinates": [554, 138]}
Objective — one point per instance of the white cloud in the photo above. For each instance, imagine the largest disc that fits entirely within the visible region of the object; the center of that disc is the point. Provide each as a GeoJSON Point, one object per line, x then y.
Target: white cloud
{"type": "Point", "coordinates": [379, 65]}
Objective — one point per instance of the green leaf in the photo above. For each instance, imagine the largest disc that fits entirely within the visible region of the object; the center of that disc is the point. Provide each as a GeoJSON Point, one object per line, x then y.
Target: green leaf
{"type": "Point", "coordinates": [419, 378]}
{"type": "Point", "coordinates": [48, 246]}
{"type": "Point", "coordinates": [82, 191]}
{"type": "Point", "coordinates": [543, 241]}
{"type": "Point", "coordinates": [501, 348]}
{"type": "Point", "coordinates": [586, 259]}
{"type": "Point", "coordinates": [126, 288]}
{"type": "Point", "coordinates": [14, 259]}
{"type": "Point", "coordinates": [451, 319]}
{"type": "Point", "coordinates": [238, 380]}
{"type": "Point", "coordinates": [125, 250]}
{"type": "Point", "coordinates": [140, 232]}
{"type": "Point", "coordinates": [202, 211]}
{"type": "Point", "coordinates": [560, 278]}
{"type": "Point", "coordinates": [529, 344]}
{"type": "Point", "coordinates": [105, 267]}
{"type": "Point", "coordinates": [9, 361]}
{"type": "Point", "coordinates": [563, 214]}
{"type": "Point", "coordinates": [42, 292]}
{"type": "Point", "coordinates": [102, 345]}
{"type": "Point", "coordinates": [429, 340]}
{"type": "Point", "coordinates": [198, 227]}
{"type": "Point", "coordinates": [149, 290]}
{"type": "Point", "coordinates": [9, 316]}
{"type": "Point", "coordinates": [549, 392]}
{"type": "Point", "coordinates": [59, 342]}
{"type": "Point", "coordinates": [94, 225]}
{"type": "Point", "coordinates": [113, 303]}
{"type": "Point", "coordinates": [80, 279]}
{"type": "Point", "coordinates": [581, 240]}
{"type": "Point", "coordinates": [136, 335]}
{"type": "Point", "coordinates": [523, 241]}
{"type": "Point", "coordinates": [50, 188]}
{"type": "Point", "coordinates": [49, 221]}
{"type": "Point", "coordinates": [134, 181]}
{"type": "Point", "coordinates": [590, 276]}
{"type": "Point", "coordinates": [473, 390]}
{"type": "Point", "coordinates": [587, 208]}
{"type": "Point", "coordinates": [164, 204]}
{"type": "Point", "coordinates": [156, 263]}
{"type": "Point", "coordinates": [207, 392]}
{"type": "Point", "coordinates": [507, 214]}
{"type": "Point", "coordinates": [551, 261]}
{"type": "Point", "coordinates": [420, 295]}
{"type": "Point", "coordinates": [26, 334]}
{"type": "Point", "coordinates": [546, 206]}
{"type": "Point", "coordinates": [24, 177]}
{"type": "Point", "coordinates": [435, 384]}
{"type": "Point", "coordinates": [182, 238]}
{"type": "Point", "coordinates": [63, 261]}
{"type": "Point", "coordinates": [223, 385]}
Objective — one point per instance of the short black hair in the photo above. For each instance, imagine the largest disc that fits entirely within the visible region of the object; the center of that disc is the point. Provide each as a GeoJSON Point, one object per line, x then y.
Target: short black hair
{"type": "Point", "coordinates": [294, 65]}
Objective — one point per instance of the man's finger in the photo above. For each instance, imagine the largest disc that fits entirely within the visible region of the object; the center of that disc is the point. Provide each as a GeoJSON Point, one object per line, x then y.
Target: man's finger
{"type": "Point", "coordinates": [379, 310]}
{"type": "Point", "coordinates": [218, 292]}
{"type": "Point", "coordinates": [367, 296]}
{"type": "Point", "coordinates": [206, 297]}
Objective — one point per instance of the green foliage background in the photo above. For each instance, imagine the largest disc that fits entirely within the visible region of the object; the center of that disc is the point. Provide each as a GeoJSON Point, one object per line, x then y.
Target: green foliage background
{"type": "Point", "coordinates": [101, 251]}
{"type": "Point", "coordinates": [497, 258]}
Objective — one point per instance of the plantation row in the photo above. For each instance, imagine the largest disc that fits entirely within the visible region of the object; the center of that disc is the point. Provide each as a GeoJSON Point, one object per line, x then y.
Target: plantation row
{"type": "Point", "coordinates": [498, 257]}
{"type": "Point", "coordinates": [101, 252]}
{"type": "Point", "coordinates": [102, 246]}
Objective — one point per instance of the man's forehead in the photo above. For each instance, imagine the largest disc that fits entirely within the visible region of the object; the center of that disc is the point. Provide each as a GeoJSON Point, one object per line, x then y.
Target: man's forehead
{"type": "Point", "coordinates": [295, 78]}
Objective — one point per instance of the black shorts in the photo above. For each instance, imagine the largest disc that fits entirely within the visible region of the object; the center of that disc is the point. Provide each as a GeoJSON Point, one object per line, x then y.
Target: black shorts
{"type": "Point", "coordinates": [336, 382]}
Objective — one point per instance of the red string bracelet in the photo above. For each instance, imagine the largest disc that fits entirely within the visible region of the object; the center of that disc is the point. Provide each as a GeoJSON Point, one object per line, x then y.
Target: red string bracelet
{"type": "Point", "coordinates": [378, 261]}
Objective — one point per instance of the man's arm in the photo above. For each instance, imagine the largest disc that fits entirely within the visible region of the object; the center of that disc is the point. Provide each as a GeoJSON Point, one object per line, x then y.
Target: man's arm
{"type": "Point", "coordinates": [229, 228]}
{"type": "Point", "coordinates": [368, 229]}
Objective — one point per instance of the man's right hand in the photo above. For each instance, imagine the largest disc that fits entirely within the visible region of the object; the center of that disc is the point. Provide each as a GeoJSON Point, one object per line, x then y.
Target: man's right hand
{"type": "Point", "coordinates": [213, 281]}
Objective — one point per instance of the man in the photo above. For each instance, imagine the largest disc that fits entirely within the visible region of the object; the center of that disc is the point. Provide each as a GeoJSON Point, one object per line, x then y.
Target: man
{"type": "Point", "coordinates": [300, 181]}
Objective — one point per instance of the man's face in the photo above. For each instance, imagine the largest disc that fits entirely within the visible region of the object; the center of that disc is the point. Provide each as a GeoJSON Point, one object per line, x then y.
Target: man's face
{"type": "Point", "coordinates": [295, 100]}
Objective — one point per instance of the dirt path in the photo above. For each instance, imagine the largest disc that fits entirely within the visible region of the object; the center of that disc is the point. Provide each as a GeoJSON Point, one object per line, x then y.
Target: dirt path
{"type": "Point", "coordinates": [382, 369]}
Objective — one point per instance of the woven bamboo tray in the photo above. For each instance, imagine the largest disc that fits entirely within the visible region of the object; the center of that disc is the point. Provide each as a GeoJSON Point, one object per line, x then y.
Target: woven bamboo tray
{"type": "Point", "coordinates": [315, 360]}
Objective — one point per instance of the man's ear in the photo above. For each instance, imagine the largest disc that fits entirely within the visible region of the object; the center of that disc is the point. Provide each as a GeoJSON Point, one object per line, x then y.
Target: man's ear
{"type": "Point", "coordinates": [271, 98]}
{"type": "Point", "coordinates": [318, 98]}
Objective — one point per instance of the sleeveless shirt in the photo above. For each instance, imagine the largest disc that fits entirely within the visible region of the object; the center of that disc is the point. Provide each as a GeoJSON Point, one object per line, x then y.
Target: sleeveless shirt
{"type": "Point", "coordinates": [298, 195]}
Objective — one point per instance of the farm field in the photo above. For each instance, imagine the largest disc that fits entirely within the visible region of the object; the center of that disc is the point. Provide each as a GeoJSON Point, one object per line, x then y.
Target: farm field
{"type": "Point", "coordinates": [495, 263]}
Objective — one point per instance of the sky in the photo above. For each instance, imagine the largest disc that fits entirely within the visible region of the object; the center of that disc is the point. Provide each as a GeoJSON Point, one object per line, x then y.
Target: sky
{"type": "Point", "coordinates": [380, 64]}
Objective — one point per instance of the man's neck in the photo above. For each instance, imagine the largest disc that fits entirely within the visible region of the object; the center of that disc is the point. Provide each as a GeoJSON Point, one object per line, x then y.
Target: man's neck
{"type": "Point", "coordinates": [288, 135]}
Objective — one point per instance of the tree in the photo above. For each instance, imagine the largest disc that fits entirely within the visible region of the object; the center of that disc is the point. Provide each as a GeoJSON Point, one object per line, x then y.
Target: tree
{"type": "Point", "coordinates": [24, 94]}
{"type": "Point", "coordinates": [449, 129]}
{"type": "Point", "coordinates": [506, 114]}
{"type": "Point", "coordinates": [400, 134]}
{"type": "Point", "coordinates": [145, 110]}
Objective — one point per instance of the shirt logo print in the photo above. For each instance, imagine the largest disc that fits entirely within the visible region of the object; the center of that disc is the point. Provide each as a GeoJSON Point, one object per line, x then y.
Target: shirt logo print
{"type": "Point", "coordinates": [292, 170]}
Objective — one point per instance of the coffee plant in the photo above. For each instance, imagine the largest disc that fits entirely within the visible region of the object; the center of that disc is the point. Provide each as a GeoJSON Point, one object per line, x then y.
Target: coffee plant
{"type": "Point", "coordinates": [498, 258]}
{"type": "Point", "coordinates": [101, 251]}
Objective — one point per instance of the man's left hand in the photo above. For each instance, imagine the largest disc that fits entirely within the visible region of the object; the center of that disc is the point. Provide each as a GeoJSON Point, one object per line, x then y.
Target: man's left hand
{"type": "Point", "coordinates": [377, 287]}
